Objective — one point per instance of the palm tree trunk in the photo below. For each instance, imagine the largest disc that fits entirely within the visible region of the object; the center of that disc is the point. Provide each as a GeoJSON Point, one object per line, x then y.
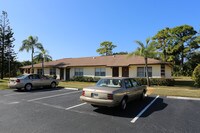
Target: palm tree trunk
{"type": "Point", "coordinates": [32, 59]}
{"type": "Point", "coordinates": [43, 66]}
{"type": "Point", "coordinates": [146, 70]}
{"type": "Point", "coordinates": [2, 61]}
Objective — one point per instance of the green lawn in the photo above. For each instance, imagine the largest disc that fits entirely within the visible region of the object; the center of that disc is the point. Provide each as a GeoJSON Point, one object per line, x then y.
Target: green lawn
{"type": "Point", "coordinates": [75, 84]}
{"type": "Point", "coordinates": [3, 84]}
{"type": "Point", "coordinates": [183, 87]}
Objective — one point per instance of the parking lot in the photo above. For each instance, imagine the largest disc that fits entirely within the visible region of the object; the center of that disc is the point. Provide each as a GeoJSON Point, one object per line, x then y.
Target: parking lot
{"type": "Point", "coordinates": [61, 111]}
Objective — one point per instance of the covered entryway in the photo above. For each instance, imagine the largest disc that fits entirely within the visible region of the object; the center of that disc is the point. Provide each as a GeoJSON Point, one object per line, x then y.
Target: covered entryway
{"type": "Point", "coordinates": [61, 73]}
{"type": "Point", "coordinates": [67, 73]}
{"type": "Point", "coordinates": [125, 71]}
{"type": "Point", "coordinates": [115, 71]}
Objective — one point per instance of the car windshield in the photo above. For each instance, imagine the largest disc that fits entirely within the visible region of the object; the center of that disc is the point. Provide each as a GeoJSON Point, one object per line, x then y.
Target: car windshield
{"type": "Point", "coordinates": [109, 83]}
{"type": "Point", "coordinates": [21, 76]}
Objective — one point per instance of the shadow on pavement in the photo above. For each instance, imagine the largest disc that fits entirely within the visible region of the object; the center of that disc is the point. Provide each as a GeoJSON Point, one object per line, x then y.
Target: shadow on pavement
{"type": "Point", "coordinates": [134, 108]}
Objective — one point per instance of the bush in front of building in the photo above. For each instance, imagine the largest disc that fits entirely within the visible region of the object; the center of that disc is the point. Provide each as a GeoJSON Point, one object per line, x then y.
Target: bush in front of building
{"type": "Point", "coordinates": [85, 79]}
{"type": "Point", "coordinates": [157, 81]}
{"type": "Point", "coordinates": [196, 76]}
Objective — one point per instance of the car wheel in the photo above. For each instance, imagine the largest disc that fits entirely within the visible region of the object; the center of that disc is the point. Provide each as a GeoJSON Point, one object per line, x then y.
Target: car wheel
{"type": "Point", "coordinates": [53, 85]}
{"type": "Point", "coordinates": [142, 96]}
{"type": "Point", "coordinates": [123, 104]}
{"type": "Point", "coordinates": [28, 87]}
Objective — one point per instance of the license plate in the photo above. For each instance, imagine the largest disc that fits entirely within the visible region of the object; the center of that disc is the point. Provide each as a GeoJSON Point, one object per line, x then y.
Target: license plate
{"type": "Point", "coordinates": [94, 95]}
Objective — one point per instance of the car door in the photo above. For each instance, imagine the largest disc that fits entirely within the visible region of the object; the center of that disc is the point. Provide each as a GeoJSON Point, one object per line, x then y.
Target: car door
{"type": "Point", "coordinates": [130, 89]}
{"type": "Point", "coordinates": [36, 82]}
{"type": "Point", "coordinates": [45, 81]}
{"type": "Point", "coordinates": [137, 88]}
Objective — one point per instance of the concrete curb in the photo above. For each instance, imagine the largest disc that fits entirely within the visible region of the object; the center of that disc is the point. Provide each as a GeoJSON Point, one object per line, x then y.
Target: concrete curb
{"type": "Point", "coordinates": [183, 98]}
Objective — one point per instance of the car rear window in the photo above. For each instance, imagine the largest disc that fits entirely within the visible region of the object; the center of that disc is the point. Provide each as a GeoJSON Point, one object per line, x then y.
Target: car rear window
{"type": "Point", "coordinates": [109, 83]}
{"type": "Point", "coordinates": [21, 76]}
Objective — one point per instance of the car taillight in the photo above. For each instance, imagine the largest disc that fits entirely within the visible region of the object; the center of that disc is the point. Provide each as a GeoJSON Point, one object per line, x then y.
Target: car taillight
{"type": "Point", "coordinates": [110, 96]}
{"type": "Point", "coordinates": [18, 80]}
{"type": "Point", "coordinates": [83, 93]}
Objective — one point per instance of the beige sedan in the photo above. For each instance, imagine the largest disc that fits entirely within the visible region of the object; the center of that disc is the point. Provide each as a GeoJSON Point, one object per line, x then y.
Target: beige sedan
{"type": "Point", "coordinates": [113, 92]}
{"type": "Point", "coordinates": [30, 81]}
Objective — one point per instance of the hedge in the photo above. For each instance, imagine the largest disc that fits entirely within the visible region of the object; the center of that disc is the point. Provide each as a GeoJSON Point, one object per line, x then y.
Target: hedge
{"type": "Point", "coordinates": [157, 81]}
{"type": "Point", "coordinates": [143, 81]}
{"type": "Point", "coordinates": [85, 79]}
{"type": "Point", "coordinates": [196, 76]}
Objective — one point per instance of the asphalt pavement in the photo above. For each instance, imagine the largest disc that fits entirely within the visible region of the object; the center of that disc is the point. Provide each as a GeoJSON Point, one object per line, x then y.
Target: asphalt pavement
{"type": "Point", "coordinates": [61, 111]}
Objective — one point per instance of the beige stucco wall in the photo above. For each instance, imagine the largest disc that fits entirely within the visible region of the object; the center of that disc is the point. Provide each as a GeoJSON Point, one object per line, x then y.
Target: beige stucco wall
{"type": "Point", "coordinates": [155, 70]}
{"type": "Point", "coordinates": [168, 71]}
{"type": "Point", "coordinates": [108, 72]}
{"type": "Point", "coordinates": [90, 71]}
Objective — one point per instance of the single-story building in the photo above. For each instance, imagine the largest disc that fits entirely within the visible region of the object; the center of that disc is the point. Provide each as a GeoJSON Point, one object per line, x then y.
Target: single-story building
{"type": "Point", "coordinates": [103, 66]}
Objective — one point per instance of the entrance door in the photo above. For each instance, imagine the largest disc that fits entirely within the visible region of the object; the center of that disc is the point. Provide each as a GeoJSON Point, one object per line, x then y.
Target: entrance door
{"type": "Point", "coordinates": [115, 71]}
{"type": "Point", "coordinates": [125, 72]}
{"type": "Point", "coordinates": [61, 73]}
{"type": "Point", "coordinates": [67, 73]}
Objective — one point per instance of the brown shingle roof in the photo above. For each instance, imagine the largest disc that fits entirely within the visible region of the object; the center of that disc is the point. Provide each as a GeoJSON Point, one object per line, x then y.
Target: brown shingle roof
{"type": "Point", "coordinates": [116, 60]}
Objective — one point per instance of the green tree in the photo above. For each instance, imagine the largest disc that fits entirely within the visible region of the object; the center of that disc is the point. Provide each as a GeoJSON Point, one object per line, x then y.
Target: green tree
{"type": "Point", "coordinates": [43, 56]}
{"type": "Point", "coordinates": [147, 50]}
{"type": "Point", "coordinates": [30, 44]}
{"type": "Point", "coordinates": [183, 42]}
{"type": "Point", "coordinates": [7, 53]}
{"type": "Point", "coordinates": [163, 39]}
{"type": "Point", "coordinates": [192, 60]}
{"type": "Point", "coordinates": [106, 48]}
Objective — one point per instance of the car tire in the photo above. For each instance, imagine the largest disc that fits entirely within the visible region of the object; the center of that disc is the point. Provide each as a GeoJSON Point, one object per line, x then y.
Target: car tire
{"type": "Point", "coordinates": [142, 96]}
{"type": "Point", "coordinates": [53, 85]}
{"type": "Point", "coordinates": [28, 87]}
{"type": "Point", "coordinates": [123, 104]}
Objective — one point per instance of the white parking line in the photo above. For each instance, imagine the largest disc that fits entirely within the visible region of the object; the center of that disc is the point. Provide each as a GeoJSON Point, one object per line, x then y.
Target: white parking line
{"type": "Point", "coordinates": [135, 119]}
{"type": "Point", "coordinates": [35, 99]}
{"type": "Point", "coordinates": [75, 106]}
{"type": "Point", "coordinates": [183, 98]}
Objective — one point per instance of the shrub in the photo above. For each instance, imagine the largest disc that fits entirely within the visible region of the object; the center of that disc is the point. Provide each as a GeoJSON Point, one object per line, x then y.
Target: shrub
{"type": "Point", "coordinates": [157, 81]}
{"type": "Point", "coordinates": [85, 79]}
{"type": "Point", "coordinates": [196, 75]}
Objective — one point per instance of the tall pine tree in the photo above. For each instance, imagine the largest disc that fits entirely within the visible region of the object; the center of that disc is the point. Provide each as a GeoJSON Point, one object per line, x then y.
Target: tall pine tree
{"type": "Point", "coordinates": [7, 53]}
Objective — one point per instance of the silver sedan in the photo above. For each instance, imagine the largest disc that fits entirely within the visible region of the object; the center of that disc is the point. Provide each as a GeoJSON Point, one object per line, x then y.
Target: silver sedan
{"type": "Point", "coordinates": [30, 81]}
{"type": "Point", "coordinates": [113, 92]}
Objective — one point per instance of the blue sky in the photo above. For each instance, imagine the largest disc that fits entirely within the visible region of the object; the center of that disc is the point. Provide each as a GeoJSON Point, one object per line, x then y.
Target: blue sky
{"type": "Point", "coordinates": [75, 28]}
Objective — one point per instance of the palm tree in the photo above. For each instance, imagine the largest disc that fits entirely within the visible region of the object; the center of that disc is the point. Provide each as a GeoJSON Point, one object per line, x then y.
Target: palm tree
{"type": "Point", "coordinates": [43, 56]}
{"type": "Point", "coordinates": [147, 51]}
{"type": "Point", "coordinates": [30, 44]}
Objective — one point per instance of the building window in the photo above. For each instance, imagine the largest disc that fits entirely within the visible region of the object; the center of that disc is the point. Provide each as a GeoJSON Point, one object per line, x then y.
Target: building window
{"type": "Point", "coordinates": [162, 70]}
{"type": "Point", "coordinates": [100, 72]}
{"type": "Point", "coordinates": [78, 72]}
{"type": "Point", "coordinates": [52, 71]}
{"type": "Point", "coordinates": [141, 72]}
{"type": "Point", "coordinates": [39, 71]}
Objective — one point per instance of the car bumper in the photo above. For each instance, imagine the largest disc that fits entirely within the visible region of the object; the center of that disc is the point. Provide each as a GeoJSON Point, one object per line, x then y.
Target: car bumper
{"type": "Point", "coordinates": [14, 86]}
{"type": "Point", "coordinates": [99, 102]}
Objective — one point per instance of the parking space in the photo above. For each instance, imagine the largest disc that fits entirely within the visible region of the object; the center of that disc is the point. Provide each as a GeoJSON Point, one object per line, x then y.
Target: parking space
{"type": "Point", "coordinates": [60, 110]}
